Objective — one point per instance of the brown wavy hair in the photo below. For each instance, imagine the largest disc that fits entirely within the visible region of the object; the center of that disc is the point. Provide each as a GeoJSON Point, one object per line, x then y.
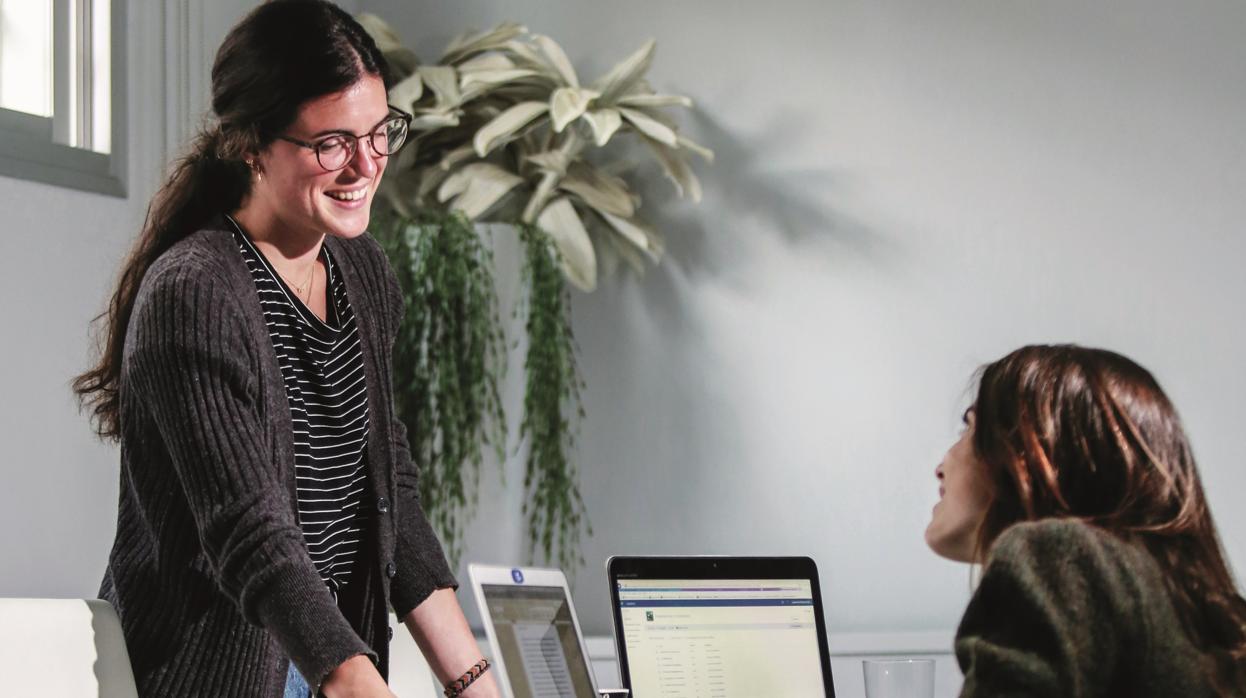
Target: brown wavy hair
{"type": "Point", "coordinates": [1073, 432]}
{"type": "Point", "coordinates": [280, 56]}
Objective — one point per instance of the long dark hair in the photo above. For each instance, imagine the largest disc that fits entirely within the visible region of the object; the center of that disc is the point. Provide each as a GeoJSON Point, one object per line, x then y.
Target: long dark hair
{"type": "Point", "coordinates": [1072, 432]}
{"type": "Point", "coordinates": [281, 55]}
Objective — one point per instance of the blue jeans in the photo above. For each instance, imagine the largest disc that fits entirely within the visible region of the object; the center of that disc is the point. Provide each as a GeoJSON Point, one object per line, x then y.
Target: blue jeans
{"type": "Point", "coordinates": [296, 685]}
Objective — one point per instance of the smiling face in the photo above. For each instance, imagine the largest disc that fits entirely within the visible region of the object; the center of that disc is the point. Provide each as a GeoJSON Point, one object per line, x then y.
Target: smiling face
{"type": "Point", "coordinates": [295, 194]}
{"type": "Point", "coordinates": [964, 496]}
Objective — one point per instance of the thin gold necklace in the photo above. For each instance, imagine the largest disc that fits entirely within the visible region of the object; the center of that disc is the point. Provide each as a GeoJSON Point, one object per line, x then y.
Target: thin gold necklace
{"type": "Point", "coordinates": [304, 291]}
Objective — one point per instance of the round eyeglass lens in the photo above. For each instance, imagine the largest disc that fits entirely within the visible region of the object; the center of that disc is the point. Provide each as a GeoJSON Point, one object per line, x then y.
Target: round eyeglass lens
{"type": "Point", "coordinates": [392, 135]}
{"type": "Point", "coordinates": [333, 153]}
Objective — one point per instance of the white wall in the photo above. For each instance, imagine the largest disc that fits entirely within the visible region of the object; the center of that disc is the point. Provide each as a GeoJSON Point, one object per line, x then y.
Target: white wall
{"type": "Point", "coordinates": [904, 190]}
{"type": "Point", "coordinates": [61, 251]}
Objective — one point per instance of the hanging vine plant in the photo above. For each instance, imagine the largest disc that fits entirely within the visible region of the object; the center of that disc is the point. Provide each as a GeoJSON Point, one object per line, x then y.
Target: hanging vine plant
{"type": "Point", "coordinates": [448, 359]}
{"type": "Point", "coordinates": [504, 131]}
{"type": "Point", "coordinates": [553, 504]}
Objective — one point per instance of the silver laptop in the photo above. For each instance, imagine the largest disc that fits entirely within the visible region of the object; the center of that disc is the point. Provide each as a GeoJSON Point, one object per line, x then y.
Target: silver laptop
{"type": "Point", "coordinates": [534, 634]}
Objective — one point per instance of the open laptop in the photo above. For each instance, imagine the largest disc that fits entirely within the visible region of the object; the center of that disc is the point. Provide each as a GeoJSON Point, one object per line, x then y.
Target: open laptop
{"type": "Point", "coordinates": [538, 649]}
{"type": "Point", "coordinates": [721, 627]}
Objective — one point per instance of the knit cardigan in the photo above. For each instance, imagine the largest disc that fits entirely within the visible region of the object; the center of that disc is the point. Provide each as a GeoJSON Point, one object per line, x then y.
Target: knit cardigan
{"type": "Point", "coordinates": [209, 571]}
{"type": "Point", "coordinates": [1068, 610]}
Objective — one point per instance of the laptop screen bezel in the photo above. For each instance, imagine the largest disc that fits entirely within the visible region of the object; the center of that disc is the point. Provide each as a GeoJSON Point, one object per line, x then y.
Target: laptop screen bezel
{"type": "Point", "coordinates": [630, 567]}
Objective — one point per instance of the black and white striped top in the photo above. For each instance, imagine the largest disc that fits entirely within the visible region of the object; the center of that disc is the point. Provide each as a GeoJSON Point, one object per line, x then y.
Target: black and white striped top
{"type": "Point", "coordinates": [322, 365]}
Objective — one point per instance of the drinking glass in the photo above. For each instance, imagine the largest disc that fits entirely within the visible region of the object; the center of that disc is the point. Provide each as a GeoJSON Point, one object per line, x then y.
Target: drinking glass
{"type": "Point", "coordinates": [899, 678]}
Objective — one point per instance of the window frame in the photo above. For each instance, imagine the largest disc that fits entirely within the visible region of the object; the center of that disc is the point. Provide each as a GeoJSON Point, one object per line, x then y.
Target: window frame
{"type": "Point", "coordinates": [35, 148]}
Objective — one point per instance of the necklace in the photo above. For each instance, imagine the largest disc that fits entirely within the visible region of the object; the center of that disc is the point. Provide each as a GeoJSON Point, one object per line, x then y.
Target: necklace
{"type": "Point", "coordinates": [304, 291]}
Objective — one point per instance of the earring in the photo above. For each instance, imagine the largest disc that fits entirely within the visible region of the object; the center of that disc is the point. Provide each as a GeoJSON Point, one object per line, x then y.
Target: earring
{"type": "Point", "coordinates": [259, 174]}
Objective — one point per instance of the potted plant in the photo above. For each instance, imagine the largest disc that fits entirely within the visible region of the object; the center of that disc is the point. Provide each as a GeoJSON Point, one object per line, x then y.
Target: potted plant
{"type": "Point", "coordinates": [504, 131]}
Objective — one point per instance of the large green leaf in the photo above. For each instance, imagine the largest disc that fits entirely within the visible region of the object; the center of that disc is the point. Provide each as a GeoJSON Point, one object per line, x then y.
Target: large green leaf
{"type": "Point", "coordinates": [620, 248]}
{"type": "Point", "coordinates": [567, 104]}
{"type": "Point", "coordinates": [525, 56]}
{"type": "Point", "coordinates": [407, 93]}
{"type": "Point", "coordinates": [636, 233]}
{"type": "Point", "coordinates": [550, 161]}
{"type": "Point", "coordinates": [432, 119]}
{"type": "Point", "coordinates": [477, 187]}
{"type": "Point", "coordinates": [384, 35]}
{"type": "Point", "coordinates": [604, 123]}
{"type": "Point", "coordinates": [557, 58]}
{"type": "Point", "coordinates": [701, 150]}
{"type": "Point", "coordinates": [484, 79]}
{"type": "Point", "coordinates": [653, 100]}
{"type": "Point", "coordinates": [676, 169]}
{"type": "Point", "coordinates": [455, 157]}
{"type": "Point", "coordinates": [604, 192]}
{"type": "Point", "coordinates": [465, 45]}
{"type": "Point", "coordinates": [650, 126]}
{"type": "Point", "coordinates": [623, 76]}
{"type": "Point", "coordinates": [400, 58]}
{"type": "Point", "coordinates": [430, 179]}
{"type": "Point", "coordinates": [486, 61]}
{"type": "Point", "coordinates": [444, 82]}
{"type": "Point", "coordinates": [576, 255]}
{"type": "Point", "coordinates": [505, 125]}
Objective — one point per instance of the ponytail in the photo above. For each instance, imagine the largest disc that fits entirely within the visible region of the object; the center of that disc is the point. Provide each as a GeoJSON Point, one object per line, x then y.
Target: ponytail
{"type": "Point", "coordinates": [210, 180]}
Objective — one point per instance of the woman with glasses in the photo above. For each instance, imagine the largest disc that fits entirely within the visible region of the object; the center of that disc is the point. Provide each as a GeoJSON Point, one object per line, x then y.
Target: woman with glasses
{"type": "Point", "coordinates": [268, 516]}
{"type": "Point", "coordinates": [1074, 485]}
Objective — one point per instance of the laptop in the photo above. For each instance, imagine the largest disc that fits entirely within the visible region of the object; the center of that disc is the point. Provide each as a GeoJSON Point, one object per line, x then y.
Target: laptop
{"type": "Point", "coordinates": [534, 634]}
{"type": "Point", "coordinates": [721, 627]}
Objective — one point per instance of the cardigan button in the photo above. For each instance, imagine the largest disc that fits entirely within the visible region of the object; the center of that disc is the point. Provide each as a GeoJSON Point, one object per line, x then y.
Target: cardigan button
{"type": "Point", "coordinates": [391, 633]}
{"type": "Point", "coordinates": [390, 570]}
{"type": "Point", "coordinates": [382, 505]}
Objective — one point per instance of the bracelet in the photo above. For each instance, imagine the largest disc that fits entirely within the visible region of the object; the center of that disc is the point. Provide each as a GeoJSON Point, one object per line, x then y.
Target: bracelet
{"type": "Point", "coordinates": [455, 688]}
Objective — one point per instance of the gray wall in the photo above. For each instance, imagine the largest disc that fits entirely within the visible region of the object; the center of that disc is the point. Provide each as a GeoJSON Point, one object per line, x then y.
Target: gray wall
{"type": "Point", "coordinates": [904, 190]}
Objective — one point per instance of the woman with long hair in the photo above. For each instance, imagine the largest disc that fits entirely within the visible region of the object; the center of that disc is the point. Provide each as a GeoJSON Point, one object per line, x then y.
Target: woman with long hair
{"type": "Point", "coordinates": [1075, 487]}
{"type": "Point", "coordinates": [268, 514]}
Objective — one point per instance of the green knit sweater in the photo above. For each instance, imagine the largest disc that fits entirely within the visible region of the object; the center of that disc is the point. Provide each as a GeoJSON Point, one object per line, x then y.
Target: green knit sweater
{"type": "Point", "coordinates": [1068, 610]}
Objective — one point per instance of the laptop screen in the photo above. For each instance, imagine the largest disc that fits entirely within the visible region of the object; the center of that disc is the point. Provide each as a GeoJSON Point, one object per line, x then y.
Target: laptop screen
{"type": "Point", "coordinates": [720, 638]}
{"type": "Point", "coordinates": [538, 642]}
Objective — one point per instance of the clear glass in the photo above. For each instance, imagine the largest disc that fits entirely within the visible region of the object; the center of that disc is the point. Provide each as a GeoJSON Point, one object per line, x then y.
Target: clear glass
{"type": "Point", "coordinates": [26, 56]}
{"type": "Point", "coordinates": [899, 678]}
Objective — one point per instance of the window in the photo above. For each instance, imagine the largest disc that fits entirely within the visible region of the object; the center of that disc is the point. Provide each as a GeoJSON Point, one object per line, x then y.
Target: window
{"type": "Point", "coordinates": [62, 97]}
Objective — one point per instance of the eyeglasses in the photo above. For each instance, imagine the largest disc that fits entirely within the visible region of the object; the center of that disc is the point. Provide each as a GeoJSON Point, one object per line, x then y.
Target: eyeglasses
{"type": "Point", "coordinates": [335, 151]}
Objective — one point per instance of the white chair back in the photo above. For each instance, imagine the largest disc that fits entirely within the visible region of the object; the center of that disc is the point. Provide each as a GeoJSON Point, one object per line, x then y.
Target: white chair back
{"type": "Point", "coordinates": [409, 673]}
{"type": "Point", "coordinates": [63, 648]}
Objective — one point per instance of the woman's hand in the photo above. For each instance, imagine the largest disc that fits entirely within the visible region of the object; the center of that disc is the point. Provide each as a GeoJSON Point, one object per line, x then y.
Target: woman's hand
{"type": "Point", "coordinates": [355, 678]}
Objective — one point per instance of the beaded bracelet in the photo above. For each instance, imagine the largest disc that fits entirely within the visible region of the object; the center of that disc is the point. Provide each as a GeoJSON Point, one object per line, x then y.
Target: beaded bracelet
{"type": "Point", "coordinates": [455, 688]}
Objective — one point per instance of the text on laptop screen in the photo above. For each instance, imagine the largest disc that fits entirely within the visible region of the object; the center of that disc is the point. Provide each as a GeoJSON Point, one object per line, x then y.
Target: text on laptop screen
{"type": "Point", "coordinates": [538, 641]}
{"type": "Point", "coordinates": [718, 638]}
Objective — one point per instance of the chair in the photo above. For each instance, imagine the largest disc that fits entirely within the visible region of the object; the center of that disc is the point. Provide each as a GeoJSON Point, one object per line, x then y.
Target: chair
{"type": "Point", "coordinates": [68, 648]}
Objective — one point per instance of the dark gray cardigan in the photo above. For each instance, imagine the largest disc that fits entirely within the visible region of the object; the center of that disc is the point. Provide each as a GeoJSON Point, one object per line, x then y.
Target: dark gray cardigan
{"type": "Point", "coordinates": [209, 571]}
{"type": "Point", "coordinates": [1067, 610]}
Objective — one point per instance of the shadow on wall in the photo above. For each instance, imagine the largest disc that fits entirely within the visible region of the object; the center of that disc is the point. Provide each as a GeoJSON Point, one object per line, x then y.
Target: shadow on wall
{"type": "Point", "coordinates": [744, 190]}
{"type": "Point", "coordinates": [660, 414]}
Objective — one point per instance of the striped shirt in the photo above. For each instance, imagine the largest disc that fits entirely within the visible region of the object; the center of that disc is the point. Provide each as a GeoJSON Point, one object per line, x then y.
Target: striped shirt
{"type": "Point", "coordinates": [322, 366]}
